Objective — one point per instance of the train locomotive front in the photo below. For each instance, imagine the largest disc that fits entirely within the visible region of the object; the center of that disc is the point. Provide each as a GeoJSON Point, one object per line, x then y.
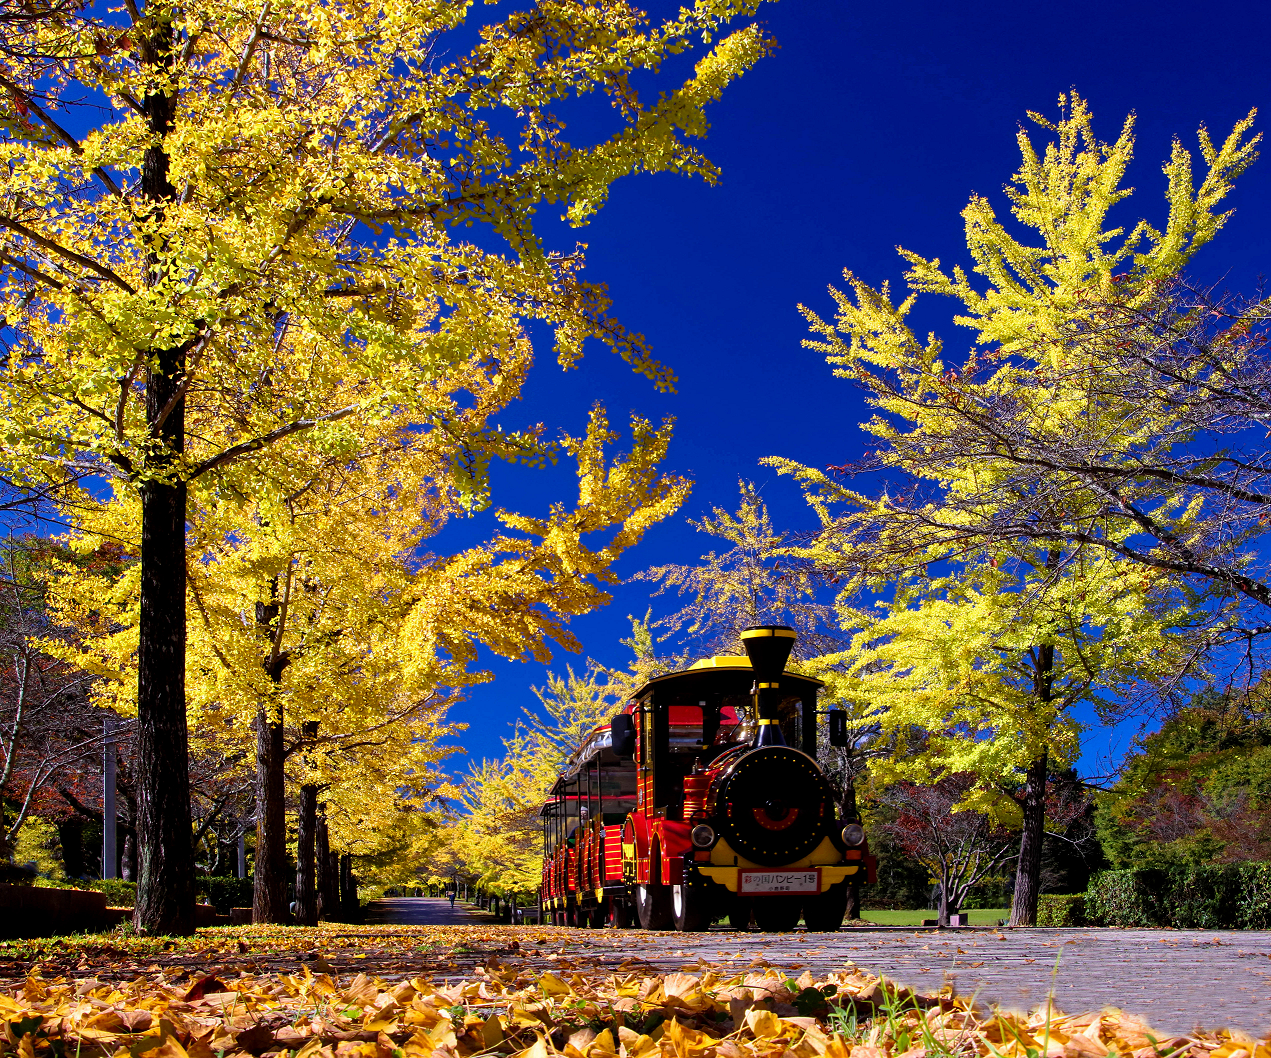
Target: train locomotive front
{"type": "Point", "coordinates": [702, 799]}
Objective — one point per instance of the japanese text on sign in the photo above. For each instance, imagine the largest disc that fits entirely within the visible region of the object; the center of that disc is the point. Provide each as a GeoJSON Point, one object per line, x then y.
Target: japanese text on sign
{"type": "Point", "coordinates": [778, 882]}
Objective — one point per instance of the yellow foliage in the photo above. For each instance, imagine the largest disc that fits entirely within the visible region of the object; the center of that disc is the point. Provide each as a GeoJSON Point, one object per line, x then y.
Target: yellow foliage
{"type": "Point", "coordinates": [237, 288]}
{"type": "Point", "coordinates": [979, 640]}
{"type": "Point", "coordinates": [368, 640]}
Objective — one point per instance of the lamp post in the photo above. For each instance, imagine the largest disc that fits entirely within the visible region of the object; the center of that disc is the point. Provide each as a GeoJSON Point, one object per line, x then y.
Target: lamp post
{"type": "Point", "coordinates": [110, 820]}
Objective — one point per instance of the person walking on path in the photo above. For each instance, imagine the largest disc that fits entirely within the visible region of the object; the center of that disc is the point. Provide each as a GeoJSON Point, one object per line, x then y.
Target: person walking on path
{"type": "Point", "coordinates": [452, 894]}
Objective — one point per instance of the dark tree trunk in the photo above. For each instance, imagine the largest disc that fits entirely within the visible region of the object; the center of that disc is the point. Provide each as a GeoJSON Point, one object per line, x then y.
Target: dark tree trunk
{"type": "Point", "coordinates": [333, 873]}
{"type": "Point", "coordinates": [348, 887]}
{"type": "Point", "coordinates": [165, 881]}
{"type": "Point", "coordinates": [71, 835]}
{"type": "Point", "coordinates": [942, 912]}
{"type": "Point", "coordinates": [850, 812]}
{"type": "Point", "coordinates": [1032, 799]}
{"type": "Point", "coordinates": [269, 879]}
{"type": "Point", "coordinates": [1028, 870]}
{"type": "Point", "coordinates": [165, 894]}
{"type": "Point", "coordinates": [307, 846]}
{"type": "Point", "coordinates": [853, 901]}
{"type": "Point", "coordinates": [328, 880]}
{"type": "Point", "coordinates": [126, 868]}
{"type": "Point", "coordinates": [306, 849]}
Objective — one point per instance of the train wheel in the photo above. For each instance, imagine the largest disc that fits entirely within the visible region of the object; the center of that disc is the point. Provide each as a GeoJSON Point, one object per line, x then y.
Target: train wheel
{"type": "Point", "coordinates": [824, 913]}
{"type": "Point", "coordinates": [596, 917]}
{"type": "Point", "coordinates": [653, 906]}
{"type": "Point", "coordinates": [619, 913]}
{"type": "Point", "coordinates": [777, 914]}
{"type": "Point", "coordinates": [688, 908]}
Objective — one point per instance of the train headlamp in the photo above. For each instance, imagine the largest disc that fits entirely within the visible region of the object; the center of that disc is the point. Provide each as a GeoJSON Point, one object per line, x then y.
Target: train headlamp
{"type": "Point", "coordinates": [702, 836]}
{"type": "Point", "coordinates": [853, 834]}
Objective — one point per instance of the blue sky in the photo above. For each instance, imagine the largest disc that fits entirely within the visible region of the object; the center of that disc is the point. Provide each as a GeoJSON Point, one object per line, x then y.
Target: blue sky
{"type": "Point", "coordinates": [869, 128]}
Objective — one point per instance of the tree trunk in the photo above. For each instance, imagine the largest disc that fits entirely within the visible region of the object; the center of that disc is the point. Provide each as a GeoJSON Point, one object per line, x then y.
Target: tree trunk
{"type": "Point", "coordinates": [70, 833]}
{"type": "Point", "coordinates": [348, 888]}
{"type": "Point", "coordinates": [306, 849]}
{"type": "Point", "coordinates": [127, 866]}
{"type": "Point", "coordinates": [942, 913]}
{"type": "Point", "coordinates": [269, 881]}
{"type": "Point", "coordinates": [306, 846]}
{"type": "Point", "coordinates": [853, 901]}
{"type": "Point", "coordinates": [328, 880]}
{"type": "Point", "coordinates": [849, 812]}
{"type": "Point", "coordinates": [165, 883]}
{"type": "Point", "coordinates": [1028, 870]}
{"type": "Point", "coordinates": [165, 892]}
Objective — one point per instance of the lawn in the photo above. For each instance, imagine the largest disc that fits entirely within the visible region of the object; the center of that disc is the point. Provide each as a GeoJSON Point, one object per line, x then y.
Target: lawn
{"type": "Point", "coordinates": [989, 916]}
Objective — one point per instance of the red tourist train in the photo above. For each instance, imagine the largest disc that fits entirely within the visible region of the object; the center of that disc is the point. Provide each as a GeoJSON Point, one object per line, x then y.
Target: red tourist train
{"type": "Point", "coordinates": [702, 799]}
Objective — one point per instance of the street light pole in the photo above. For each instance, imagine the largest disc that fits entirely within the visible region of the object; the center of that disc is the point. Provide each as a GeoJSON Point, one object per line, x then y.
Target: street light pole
{"type": "Point", "coordinates": [110, 820]}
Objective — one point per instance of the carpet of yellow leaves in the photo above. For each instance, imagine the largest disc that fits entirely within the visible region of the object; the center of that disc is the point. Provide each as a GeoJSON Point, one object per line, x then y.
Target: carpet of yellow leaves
{"type": "Point", "coordinates": [508, 1004]}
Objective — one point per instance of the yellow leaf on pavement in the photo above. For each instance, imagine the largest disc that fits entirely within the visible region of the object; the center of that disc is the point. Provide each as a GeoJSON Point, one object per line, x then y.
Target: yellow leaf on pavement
{"type": "Point", "coordinates": [553, 985]}
{"type": "Point", "coordinates": [763, 1023]}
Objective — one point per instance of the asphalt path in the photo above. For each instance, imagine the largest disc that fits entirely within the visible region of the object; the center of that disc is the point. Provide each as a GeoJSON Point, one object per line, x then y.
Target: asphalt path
{"type": "Point", "coordinates": [1176, 980]}
{"type": "Point", "coordinates": [421, 911]}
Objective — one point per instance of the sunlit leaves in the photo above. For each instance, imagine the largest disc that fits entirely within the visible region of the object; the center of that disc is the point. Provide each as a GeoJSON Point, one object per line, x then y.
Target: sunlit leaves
{"type": "Point", "coordinates": [525, 1000]}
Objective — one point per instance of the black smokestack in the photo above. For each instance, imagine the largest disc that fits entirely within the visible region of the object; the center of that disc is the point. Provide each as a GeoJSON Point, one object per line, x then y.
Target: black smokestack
{"type": "Point", "coordinates": [768, 647]}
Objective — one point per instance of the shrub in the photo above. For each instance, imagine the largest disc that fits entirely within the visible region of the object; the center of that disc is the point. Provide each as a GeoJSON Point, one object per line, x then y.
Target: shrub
{"type": "Point", "coordinates": [1056, 910]}
{"type": "Point", "coordinates": [1253, 901]}
{"type": "Point", "coordinates": [225, 893]}
{"type": "Point", "coordinates": [1207, 896]}
{"type": "Point", "coordinates": [118, 892]}
{"type": "Point", "coordinates": [16, 873]}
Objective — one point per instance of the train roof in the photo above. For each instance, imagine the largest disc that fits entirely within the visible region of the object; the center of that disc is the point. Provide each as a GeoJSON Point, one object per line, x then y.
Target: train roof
{"type": "Point", "coordinates": [705, 669]}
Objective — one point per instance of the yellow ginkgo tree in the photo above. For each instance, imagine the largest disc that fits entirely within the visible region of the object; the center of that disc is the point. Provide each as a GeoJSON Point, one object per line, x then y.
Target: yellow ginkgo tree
{"type": "Point", "coordinates": [326, 635]}
{"type": "Point", "coordinates": [228, 227]}
{"type": "Point", "coordinates": [1004, 592]}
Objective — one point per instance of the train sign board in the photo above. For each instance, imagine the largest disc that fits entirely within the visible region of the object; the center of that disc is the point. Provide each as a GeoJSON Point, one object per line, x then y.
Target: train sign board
{"type": "Point", "coordinates": [761, 881]}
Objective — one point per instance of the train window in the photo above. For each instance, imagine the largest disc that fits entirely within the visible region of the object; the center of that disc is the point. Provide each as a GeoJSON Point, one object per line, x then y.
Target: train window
{"type": "Point", "coordinates": [549, 827]}
{"type": "Point", "coordinates": [571, 807]}
{"type": "Point", "coordinates": [686, 729]}
{"type": "Point", "coordinates": [617, 791]}
{"type": "Point", "coordinates": [736, 721]}
{"type": "Point", "coordinates": [790, 715]}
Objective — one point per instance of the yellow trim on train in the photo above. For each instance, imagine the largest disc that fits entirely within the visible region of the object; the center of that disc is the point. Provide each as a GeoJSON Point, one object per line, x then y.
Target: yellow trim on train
{"type": "Point", "coordinates": [727, 876]}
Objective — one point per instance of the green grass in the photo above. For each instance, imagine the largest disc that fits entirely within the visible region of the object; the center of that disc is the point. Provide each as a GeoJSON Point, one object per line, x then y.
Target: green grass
{"type": "Point", "coordinates": [988, 916]}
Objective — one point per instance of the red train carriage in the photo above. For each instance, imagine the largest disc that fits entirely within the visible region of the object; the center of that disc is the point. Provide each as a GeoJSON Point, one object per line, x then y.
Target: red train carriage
{"type": "Point", "coordinates": [703, 799]}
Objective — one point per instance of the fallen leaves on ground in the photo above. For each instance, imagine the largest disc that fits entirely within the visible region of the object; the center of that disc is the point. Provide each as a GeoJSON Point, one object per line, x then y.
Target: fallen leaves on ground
{"type": "Point", "coordinates": [508, 1004]}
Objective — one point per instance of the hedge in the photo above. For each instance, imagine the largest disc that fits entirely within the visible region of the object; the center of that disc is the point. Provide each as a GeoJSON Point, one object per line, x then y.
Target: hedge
{"type": "Point", "coordinates": [225, 893]}
{"type": "Point", "coordinates": [118, 892]}
{"type": "Point", "coordinates": [1055, 910]}
{"type": "Point", "coordinates": [1218, 896]}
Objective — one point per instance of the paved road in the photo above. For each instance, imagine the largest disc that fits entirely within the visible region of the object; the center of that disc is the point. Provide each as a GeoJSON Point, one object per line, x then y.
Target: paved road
{"type": "Point", "coordinates": [1175, 979]}
{"type": "Point", "coordinates": [419, 911]}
